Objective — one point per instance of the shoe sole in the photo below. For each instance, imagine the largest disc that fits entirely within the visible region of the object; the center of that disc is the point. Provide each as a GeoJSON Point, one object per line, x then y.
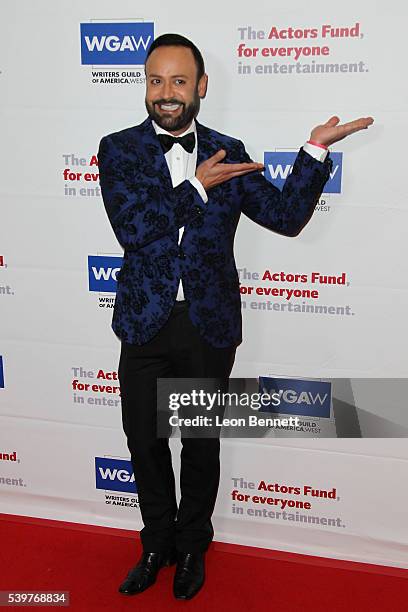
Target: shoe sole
{"type": "Point", "coordinates": [167, 563]}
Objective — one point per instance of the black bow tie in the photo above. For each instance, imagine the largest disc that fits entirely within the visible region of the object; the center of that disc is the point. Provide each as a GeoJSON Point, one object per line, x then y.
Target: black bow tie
{"type": "Point", "coordinates": [187, 142]}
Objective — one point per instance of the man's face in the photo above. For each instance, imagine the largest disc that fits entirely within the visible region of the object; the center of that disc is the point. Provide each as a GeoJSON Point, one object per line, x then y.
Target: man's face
{"type": "Point", "coordinates": [172, 92]}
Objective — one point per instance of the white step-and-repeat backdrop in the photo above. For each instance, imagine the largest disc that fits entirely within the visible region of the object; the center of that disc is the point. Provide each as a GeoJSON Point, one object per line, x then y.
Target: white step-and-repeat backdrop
{"type": "Point", "coordinates": [70, 74]}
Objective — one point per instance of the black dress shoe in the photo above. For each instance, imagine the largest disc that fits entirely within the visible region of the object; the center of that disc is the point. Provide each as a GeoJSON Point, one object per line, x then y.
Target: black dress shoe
{"type": "Point", "coordinates": [144, 574]}
{"type": "Point", "coordinates": [189, 576]}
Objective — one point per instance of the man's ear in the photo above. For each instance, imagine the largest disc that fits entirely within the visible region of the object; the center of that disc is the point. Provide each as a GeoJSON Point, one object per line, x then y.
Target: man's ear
{"type": "Point", "coordinates": [202, 85]}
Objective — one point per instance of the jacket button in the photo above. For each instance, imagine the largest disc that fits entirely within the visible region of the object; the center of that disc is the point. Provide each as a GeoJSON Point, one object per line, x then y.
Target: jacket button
{"type": "Point", "coordinates": [181, 254]}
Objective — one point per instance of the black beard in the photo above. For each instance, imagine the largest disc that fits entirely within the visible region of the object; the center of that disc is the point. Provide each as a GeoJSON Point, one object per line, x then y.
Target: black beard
{"type": "Point", "coordinates": [174, 124]}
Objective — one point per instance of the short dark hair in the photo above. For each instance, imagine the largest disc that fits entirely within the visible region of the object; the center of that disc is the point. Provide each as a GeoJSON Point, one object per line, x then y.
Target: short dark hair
{"type": "Point", "coordinates": [176, 40]}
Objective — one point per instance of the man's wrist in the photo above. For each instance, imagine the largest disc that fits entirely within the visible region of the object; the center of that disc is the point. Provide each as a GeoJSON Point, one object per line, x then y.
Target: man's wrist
{"type": "Point", "coordinates": [317, 144]}
{"type": "Point", "coordinates": [317, 152]}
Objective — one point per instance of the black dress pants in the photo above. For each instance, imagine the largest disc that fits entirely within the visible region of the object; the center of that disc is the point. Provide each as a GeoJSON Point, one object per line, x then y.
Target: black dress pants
{"type": "Point", "coordinates": [177, 350]}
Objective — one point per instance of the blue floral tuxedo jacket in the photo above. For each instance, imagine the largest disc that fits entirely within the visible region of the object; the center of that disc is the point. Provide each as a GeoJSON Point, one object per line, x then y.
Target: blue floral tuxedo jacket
{"type": "Point", "coordinates": [146, 212]}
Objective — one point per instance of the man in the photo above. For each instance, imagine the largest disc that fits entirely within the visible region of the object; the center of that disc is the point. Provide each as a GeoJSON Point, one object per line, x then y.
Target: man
{"type": "Point", "coordinates": [174, 191]}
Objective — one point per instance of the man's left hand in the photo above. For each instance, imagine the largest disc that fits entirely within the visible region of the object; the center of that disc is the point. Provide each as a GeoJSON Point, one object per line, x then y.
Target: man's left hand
{"type": "Point", "coordinates": [331, 131]}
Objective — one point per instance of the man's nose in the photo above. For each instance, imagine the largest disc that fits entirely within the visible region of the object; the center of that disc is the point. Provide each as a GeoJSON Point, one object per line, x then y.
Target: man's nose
{"type": "Point", "coordinates": [167, 91]}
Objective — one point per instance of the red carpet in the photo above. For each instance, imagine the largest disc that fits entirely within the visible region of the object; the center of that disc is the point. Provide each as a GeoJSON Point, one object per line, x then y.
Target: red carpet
{"type": "Point", "coordinates": [48, 555]}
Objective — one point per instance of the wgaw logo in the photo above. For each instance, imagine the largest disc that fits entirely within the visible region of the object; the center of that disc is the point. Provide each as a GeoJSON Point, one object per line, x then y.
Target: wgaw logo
{"type": "Point", "coordinates": [303, 397]}
{"type": "Point", "coordinates": [102, 272]}
{"type": "Point", "coordinates": [114, 475]}
{"type": "Point", "coordinates": [279, 164]}
{"type": "Point", "coordinates": [115, 43]}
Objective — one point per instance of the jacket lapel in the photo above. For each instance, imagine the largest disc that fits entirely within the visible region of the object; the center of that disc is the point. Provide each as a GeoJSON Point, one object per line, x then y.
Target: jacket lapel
{"type": "Point", "coordinates": [206, 143]}
{"type": "Point", "coordinates": [154, 152]}
{"type": "Point", "coordinates": [207, 146]}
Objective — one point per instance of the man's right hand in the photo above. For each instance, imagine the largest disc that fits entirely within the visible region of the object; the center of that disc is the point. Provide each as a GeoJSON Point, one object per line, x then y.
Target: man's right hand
{"type": "Point", "coordinates": [211, 172]}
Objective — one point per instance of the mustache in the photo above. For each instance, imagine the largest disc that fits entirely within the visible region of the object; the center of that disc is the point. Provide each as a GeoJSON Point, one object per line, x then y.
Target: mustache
{"type": "Point", "coordinates": [169, 101]}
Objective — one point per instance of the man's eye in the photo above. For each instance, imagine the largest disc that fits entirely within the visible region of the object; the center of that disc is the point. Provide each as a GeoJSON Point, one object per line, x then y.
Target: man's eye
{"type": "Point", "coordinates": [180, 81]}
{"type": "Point", "coordinates": [155, 81]}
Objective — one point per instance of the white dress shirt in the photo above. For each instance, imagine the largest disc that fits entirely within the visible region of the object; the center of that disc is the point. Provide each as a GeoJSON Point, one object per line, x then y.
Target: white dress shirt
{"type": "Point", "coordinates": [182, 166]}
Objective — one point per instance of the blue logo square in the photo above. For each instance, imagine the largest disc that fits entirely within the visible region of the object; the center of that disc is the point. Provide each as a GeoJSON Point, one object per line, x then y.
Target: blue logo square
{"type": "Point", "coordinates": [297, 397]}
{"type": "Point", "coordinates": [102, 272]}
{"type": "Point", "coordinates": [278, 166]}
{"type": "Point", "coordinates": [114, 475]}
{"type": "Point", "coordinates": [116, 43]}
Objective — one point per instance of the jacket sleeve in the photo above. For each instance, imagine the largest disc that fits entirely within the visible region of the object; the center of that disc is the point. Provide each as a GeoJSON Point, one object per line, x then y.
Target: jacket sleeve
{"type": "Point", "coordinates": [288, 211]}
{"type": "Point", "coordinates": [139, 217]}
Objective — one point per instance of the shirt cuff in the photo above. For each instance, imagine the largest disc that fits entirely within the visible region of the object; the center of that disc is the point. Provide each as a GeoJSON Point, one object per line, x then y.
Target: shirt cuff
{"type": "Point", "coordinates": [315, 151]}
{"type": "Point", "coordinates": [196, 183]}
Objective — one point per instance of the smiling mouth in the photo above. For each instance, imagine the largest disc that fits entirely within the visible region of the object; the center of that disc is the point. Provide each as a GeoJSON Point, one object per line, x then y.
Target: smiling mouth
{"type": "Point", "coordinates": [169, 108]}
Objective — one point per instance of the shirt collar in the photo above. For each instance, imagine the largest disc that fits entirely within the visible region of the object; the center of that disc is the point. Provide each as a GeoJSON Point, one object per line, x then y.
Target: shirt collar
{"type": "Point", "coordinates": [160, 130]}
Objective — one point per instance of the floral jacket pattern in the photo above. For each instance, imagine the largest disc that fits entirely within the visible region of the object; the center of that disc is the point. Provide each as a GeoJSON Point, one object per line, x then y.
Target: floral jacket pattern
{"type": "Point", "coordinates": [146, 212]}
